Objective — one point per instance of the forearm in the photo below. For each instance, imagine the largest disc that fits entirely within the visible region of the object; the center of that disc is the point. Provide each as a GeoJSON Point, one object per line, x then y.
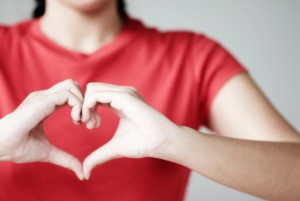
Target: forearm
{"type": "Point", "coordinates": [264, 169]}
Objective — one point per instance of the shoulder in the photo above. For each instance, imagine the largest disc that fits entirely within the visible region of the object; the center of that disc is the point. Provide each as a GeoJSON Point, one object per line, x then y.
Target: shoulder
{"type": "Point", "coordinates": [18, 29]}
{"type": "Point", "coordinates": [12, 35]}
{"type": "Point", "coordinates": [173, 41]}
{"type": "Point", "coordinates": [15, 32]}
{"type": "Point", "coordinates": [3, 31]}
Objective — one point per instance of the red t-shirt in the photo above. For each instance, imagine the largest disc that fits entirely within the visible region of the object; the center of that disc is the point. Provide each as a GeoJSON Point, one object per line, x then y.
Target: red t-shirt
{"type": "Point", "coordinates": [178, 73]}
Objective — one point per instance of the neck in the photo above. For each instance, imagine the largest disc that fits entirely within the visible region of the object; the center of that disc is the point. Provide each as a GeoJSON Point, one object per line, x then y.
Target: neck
{"type": "Point", "coordinates": [84, 32]}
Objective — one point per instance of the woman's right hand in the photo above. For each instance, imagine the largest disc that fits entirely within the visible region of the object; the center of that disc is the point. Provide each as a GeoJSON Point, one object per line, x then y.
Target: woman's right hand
{"type": "Point", "coordinates": [22, 137]}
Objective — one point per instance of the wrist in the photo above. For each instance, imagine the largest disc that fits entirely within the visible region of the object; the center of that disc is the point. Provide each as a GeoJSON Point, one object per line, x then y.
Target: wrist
{"type": "Point", "coordinates": [5, 132]}
{"type": "Point", "coordinates": [176, 145]}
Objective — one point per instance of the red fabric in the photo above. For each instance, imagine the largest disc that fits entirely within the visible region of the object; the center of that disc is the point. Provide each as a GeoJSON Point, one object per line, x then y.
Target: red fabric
{"type": "Point", "coordinates": [178, 73]}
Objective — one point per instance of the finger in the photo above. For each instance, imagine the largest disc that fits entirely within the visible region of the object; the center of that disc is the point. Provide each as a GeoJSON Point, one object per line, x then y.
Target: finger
{"type": "Point", "coordinates": [100, 156]}
{"type": "Point", "coordinates": [44, 105]}
{"type": "Point", "coordinates": [88, 109]}
{"type": "Point", "coordinates": [68, 84]}
{"type": "Point", "coordinates": [92, 122]}
{"type": "Point", "coordinates": [123, 104]}
{"type": "Point", "coordinates": [98, 119]}
{"type": "Point", "coordinates": [87, 114]}
{"type": "Point", "coordinates": [101, 86]}
{"type": "Point", "coordinates": [64, 85]}
{"type": "Point", "coordinates": [76, 107]}
{"type": "Point", "coordinates": [91, 87]}
{"type": "Point", "coordinates": [67, 97]}
{"type": "Point", "coordinates": [119, 101]}
{"type": "Point", "coordinates": [76, 113]}
{"type": "Point", "coordinates": [77, 91]}
{"type": "Point", "coordinates": [63, 159]}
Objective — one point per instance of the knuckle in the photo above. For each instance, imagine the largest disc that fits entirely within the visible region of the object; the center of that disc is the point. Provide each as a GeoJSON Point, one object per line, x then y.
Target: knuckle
{"type": "Point", "coordinates": [45, 104]}
{"type": "Point", "coordinates": [131, 89]}
{"type": "Point", "coordinates": [67, 94]}
{"type": "Point", "coordinates": [88, 88]}
{"type": "Point", "coordinates": [97, 93]}
{"type": "Point", "coordinates": [91, 97]}
{"type": "Point", "coordinates": [35, 94]}
{"type": "Point", "coordinates": [126, 96]}
{"type": "Point", "coordinates": [32, 94]}
{"type": "Point", "coordinates": [66, 91]}
{"type": "Point", "coordinates": [91, 84]}
{"type": "Point", "coordinates": [61, 93]}
{"type": "Point", "coordinates": [69, 81]}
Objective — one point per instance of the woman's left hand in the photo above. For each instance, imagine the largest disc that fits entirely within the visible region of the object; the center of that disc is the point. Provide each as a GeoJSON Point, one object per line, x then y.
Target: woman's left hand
{"type": "Point", "coordinates": [142, 131]}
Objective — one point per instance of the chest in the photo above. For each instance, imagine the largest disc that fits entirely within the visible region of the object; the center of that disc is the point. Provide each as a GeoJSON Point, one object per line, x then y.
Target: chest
{"type": "Point", "coordinates": [166, 86]}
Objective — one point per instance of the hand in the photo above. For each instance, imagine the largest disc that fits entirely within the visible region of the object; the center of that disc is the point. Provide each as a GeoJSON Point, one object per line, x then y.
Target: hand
{"type": "Point", "coordinates": [141, 132]}
{"type": "Point", "coordinates": [22, 137]}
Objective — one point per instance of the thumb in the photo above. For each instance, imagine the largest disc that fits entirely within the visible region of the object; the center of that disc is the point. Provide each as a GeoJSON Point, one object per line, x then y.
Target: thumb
{"type": "Point", "coordinates": [66, 160]}
{"type": "Point", "coordinates": [100, 156]}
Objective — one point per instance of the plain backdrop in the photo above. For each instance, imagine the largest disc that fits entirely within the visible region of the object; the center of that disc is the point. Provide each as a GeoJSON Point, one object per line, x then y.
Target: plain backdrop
{"type": "Point", "coordinates": [262, 34]}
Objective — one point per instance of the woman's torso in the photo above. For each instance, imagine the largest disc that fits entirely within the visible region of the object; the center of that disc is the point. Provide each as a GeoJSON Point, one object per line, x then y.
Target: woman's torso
{"type": "Point", "coordinates": [30, 62]}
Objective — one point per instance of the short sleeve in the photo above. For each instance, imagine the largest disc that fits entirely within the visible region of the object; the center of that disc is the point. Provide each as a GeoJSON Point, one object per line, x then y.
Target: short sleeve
{"type": "Point", "coordinates": [3, 31]}
{"type": "Point", "coordinates": [215, 66]}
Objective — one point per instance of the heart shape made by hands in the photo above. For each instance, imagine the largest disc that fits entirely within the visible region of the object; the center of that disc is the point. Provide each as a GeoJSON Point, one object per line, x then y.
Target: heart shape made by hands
{"type": "Point", "coordinates": [141, 130]}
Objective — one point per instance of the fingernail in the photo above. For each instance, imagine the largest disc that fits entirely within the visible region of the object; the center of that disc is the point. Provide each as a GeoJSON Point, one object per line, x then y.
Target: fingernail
{"type": "Point", "coordinates": [98, 123]}
{"type": "Point", "coordinates": [87, 177]}
{"type": "Point", "coordinates": [85, 116]}
{"type": "Point", "coordinates": [80, 176]}
{"type": "Point", "coordinates": [89, 125]}
{"type": "Point", "coordinates": [77, 123]}
{"type": "Point", "coordinates": [76, 83]}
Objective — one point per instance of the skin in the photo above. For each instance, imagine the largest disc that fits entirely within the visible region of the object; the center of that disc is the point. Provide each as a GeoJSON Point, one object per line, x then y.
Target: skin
{"type": "Point", "coordinates": [254, 150]}
{"type": "Point", "coordinates": [22, 135]}
{"type": "Point", "coordinates": [87, 6]}
{"type": "Point", "coordinates": [71, 25]}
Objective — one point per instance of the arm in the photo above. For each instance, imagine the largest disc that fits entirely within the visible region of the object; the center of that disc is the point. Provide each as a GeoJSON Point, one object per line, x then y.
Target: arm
{"type": "Point", "coordinates": [258, 168]}
{"type": "Point", "coordinates": [240, 110]}
{"type": "Point", "coordinates": [267, 170]}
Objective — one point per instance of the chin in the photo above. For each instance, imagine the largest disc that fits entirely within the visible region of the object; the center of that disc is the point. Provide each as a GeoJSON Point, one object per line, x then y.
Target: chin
{"type": "Point", "coordinates": [87, 5]}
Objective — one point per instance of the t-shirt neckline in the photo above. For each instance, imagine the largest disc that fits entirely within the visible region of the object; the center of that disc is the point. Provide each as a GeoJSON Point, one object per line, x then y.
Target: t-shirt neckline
{"type": "Point", "coordinates": [123, 37]}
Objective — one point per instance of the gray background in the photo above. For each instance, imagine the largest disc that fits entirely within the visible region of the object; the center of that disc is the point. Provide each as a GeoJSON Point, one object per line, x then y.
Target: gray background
{"type": "Point", "coordinates": [262, 34]}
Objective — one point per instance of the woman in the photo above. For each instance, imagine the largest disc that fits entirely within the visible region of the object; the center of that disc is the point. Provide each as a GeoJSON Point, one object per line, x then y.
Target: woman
{"type": "Point", "coordinates": [89, 55]}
